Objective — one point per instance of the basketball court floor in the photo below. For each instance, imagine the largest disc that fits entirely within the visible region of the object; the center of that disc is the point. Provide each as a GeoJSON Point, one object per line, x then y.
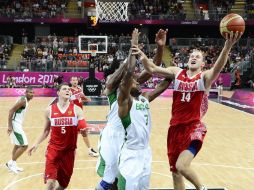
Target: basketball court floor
{"type": "Point", "coordinates": [225, 161]}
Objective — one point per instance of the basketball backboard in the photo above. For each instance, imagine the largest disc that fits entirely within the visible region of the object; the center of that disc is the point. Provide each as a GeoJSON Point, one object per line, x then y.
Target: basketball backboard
{"type": "Point", "coordinates": [93, 44]}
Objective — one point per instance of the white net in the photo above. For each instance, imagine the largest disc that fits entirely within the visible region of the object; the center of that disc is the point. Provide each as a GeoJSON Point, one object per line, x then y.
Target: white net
{"type": "Point", "coordinates": [112, 11]}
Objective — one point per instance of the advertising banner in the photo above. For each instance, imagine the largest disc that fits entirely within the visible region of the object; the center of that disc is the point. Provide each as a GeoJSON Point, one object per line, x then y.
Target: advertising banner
{"type": "Point", "coordinates": [40, 78]}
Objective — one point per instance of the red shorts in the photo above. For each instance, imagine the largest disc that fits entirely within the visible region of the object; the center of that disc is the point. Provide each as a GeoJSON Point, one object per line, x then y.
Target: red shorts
{"type": "Point", "coordinates": [59, 166]}
{"type": "Point", "coordinates": [180, 138]}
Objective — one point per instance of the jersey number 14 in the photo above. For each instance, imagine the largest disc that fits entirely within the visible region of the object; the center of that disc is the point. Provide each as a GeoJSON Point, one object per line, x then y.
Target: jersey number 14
{"type": "Point", "coordinates": [186, 96]}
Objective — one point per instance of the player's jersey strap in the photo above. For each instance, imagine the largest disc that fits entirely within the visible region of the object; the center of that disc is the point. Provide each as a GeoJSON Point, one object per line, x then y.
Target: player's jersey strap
{"type": "Point", "coordinates": [184, 83]}
{"type": "Point", "coordinates": [126, 121]}
{"type": "Point", "coordinates": [112, 97]}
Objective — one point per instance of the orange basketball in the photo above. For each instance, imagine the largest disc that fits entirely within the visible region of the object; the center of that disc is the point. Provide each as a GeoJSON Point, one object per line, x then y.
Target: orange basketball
{"type": "Point", "coordinates": [232, 22]}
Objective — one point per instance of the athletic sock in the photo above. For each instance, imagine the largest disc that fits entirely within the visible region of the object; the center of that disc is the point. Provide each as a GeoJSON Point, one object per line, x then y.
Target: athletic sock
{"type": "Point", "coordinates": [10, 162]}
{"type": "Point", "coordinates": [105, 185]}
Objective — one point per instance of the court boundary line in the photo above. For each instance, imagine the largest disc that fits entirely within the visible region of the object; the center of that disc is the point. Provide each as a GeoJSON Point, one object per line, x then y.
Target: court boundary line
{"type": "Point", "coordinates": [13, 183]}
{"type": "Point", "coordinates": [155, 161]}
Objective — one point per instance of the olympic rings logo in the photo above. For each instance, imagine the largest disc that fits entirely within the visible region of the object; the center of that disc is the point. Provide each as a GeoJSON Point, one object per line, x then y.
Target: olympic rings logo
{"type": "Point", "coordinates": [20, 91]}
{"type": "Point", "coordinates": [91, 89]}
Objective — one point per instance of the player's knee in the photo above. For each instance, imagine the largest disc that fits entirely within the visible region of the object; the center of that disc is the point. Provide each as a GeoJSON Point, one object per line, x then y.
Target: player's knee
{"type": "Point", "coordinates": [51, 184]}
{"type": "Point", "coordinates": [180, 167]}
{"type": "Point", "coordinates": [84, 134]}
{"type": "Point", "coordinates": [25, 147]}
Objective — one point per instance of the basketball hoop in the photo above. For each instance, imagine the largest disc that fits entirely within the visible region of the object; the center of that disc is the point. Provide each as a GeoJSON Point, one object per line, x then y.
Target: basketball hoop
{"type": "Point", "coordinates": [110, 10]}
{"type": "Point", "coordinates": [93, 53]}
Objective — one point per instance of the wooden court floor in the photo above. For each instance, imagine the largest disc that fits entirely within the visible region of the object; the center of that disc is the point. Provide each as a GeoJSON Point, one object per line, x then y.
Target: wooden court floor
{"type": "Point", "coordinates": [226, 159]}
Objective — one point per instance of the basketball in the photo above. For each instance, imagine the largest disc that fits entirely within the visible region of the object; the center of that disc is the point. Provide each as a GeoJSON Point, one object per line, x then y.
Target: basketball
{"type": "Point", "coordinates": [232, 22]}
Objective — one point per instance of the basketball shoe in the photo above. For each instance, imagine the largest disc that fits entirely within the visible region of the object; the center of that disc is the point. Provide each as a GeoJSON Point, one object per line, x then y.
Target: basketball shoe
{"type": "Point", "coordinates": [12, 166]}
{"type": "Point", "coordinates": [92, 152]}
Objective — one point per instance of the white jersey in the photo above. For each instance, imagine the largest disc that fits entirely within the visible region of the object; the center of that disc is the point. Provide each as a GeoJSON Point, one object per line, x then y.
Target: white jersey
{"type": "Point", "coordinates": [19, 115]}
{"type": "Point", "coordinates": [113, 120]}
{"type": "Point", "coordinates": [111, 141]}
{"type": "Point", "coordinates": [138, 124]}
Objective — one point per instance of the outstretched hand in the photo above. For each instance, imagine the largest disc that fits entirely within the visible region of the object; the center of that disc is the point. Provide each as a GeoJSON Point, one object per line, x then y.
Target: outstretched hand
{"type": "Point", "coordinates": [161, 37]}
{"type": "Point", "coordinates": [232, 38]}
{"type": "Point", "coordinates": [136, 51]}
{"type": "Point", "coordinates": [134, 37]}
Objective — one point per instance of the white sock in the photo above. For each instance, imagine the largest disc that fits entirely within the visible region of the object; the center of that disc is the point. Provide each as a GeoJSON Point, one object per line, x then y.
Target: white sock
{"type": "Point", "coordinates": [10, 162]}
{"type": "Point", "coordinates": [14, 163]}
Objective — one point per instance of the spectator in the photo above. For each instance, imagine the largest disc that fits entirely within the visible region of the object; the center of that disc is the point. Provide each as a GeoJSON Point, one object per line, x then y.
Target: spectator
{"type": "Point", "coordinates": [11, 82]}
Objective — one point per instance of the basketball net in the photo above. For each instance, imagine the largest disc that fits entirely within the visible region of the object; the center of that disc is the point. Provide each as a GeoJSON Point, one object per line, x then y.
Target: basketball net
{"type": "Point", "coordinates": [93, 53]}
{"type": "Point", "coordinates": [111, 11]}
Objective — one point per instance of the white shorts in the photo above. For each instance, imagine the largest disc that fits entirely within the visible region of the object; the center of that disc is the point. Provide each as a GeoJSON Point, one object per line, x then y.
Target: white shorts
{"type": "Point", "coordinates": [110, 145]}
{"type": "Point", "coordinates": [18, 136]}
{"type": "Point", "coordinates": [135, 169]}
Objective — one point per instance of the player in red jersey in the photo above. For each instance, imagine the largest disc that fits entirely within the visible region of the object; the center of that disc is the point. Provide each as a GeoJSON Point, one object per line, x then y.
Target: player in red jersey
{"type": "Point", "coordinates": [191, 88]}
{"type": "Point", "coordinates": [78, 98]}
{"type": "Point", "coordinates": [63, 119]}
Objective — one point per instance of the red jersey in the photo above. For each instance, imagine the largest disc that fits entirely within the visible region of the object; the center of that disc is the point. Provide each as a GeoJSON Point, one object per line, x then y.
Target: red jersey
{"type": "Point", "coordinates": [64, 128]}
{"type": "Point", "coordinates": [190, 102]}
{"type": "Point", "coordinates": [76, 97]}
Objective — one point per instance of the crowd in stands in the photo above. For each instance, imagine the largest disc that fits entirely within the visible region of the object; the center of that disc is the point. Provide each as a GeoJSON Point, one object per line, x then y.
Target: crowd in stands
{"type": "Point", "coordinates": [54, 53]}
{"type": "Point", "coordinates": [5, 51]}
{"type": "Point", "coordinates": [159, 9]}
{"type": "Point", "coordinates": [139, 9]}
{"type": "Point", "coordinates": [249, 9]}
{"type": "Point", "coordinates": [238, 54]}
{"type": "Point", "coordinates": [212, 10]}
{"type": "Point", "coordinates": [32, 8]}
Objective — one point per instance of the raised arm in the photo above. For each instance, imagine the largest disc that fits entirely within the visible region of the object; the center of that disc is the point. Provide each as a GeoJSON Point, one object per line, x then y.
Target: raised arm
{"type": "Point", "coordinates": [43, 136]}
{"type": "Point", "coordinates": [114, 80]}
{"type": "Point", "coordinates": [160, 88]}
{"type": "Point", "coordinates": [21, 103]}
{"type": "Point", "coordinates": [124, 99]}
{"type": "Point", "coordinates": [160, 40]}
{"type": "Point", "coordinates": [153, 69]}
{"type": "Point", "coordinates": [213, 73]}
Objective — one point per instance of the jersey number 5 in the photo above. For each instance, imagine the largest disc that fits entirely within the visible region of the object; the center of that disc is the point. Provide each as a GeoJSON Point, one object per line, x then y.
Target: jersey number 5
{"type": "Point", "coordinates": [186, 96]}
{"type": "Point", "coordinates": [63, 130]}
